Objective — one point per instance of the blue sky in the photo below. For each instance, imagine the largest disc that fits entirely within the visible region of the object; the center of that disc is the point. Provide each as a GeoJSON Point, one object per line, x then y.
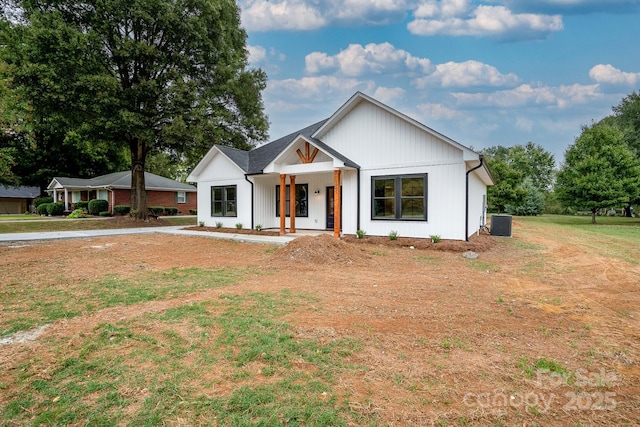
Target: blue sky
{"type": "Point", "coordinates": [486, 72]}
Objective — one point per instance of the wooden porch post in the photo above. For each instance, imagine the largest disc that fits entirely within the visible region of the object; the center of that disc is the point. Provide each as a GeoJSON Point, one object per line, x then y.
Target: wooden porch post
{"type": "Point", "coordinates": [283, 203]}
{"type": "Point", "coordinates": [337, 206]}
{"type": "Point", "coordinates": [292, 203]}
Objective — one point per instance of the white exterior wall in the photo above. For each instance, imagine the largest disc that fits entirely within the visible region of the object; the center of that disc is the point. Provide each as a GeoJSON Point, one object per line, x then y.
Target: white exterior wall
{"type": "Point", "coordinates": [385, 144]}
{"type": "Point", "coordinates": [477, 205]}
{"type": "Point", "coordinates": [222, 172]}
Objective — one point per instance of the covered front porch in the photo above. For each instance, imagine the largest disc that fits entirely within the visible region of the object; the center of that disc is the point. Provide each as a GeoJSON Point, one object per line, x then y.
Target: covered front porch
{"type": "Point", "coordinates": [314, 188]}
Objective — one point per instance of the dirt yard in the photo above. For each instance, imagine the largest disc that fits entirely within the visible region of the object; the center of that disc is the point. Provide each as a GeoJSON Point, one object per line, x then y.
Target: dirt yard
{"type": "Point", "coordinates": [445, 340]}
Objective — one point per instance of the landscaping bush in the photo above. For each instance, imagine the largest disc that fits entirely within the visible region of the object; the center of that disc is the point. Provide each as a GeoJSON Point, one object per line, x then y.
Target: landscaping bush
{"type": "Point", "coordinates": [193, 211]}
{"type": "Point", "coordinates": [42, 209]}
{"type": "Point", "coordinates": [55, 209]}
{"type": "Point", "coordinates": [98, 205]}
{"type": "Point", "coordinates": [156, 210]}
{"type": "Point", "coordinates": [77, 213]}
{"type": "Point", "coordinates": [105, 213]}
{"type": "Point", "coordinates": [42, 200]}
{"type": "Point", "coordinates": [83, 204]}
{"type": "Point", "coordinates": [171, 211]}
{"type": "Point", "coordinates": [122, 209]}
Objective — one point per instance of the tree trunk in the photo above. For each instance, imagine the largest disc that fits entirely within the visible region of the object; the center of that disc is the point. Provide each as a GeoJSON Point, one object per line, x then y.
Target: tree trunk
{"type": "Point", "coordinates": [138, 185]}
{"type": "Point", "coordinates": [627, 211]}
{"type": "Point", "coordinates": [593, 216]}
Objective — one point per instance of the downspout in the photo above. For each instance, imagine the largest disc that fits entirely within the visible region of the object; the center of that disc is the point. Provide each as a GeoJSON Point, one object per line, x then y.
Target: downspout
{"type": "Point", "coordinates": [466, 210]}
{"type": "Point", "coordinates": [246, 177]}
{"type": "Point", "coordinates": [358, 199]}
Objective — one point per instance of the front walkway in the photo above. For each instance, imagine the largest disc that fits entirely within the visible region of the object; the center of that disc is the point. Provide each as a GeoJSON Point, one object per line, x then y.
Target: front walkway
{"type": "Point", "coordinates": [176, 230]}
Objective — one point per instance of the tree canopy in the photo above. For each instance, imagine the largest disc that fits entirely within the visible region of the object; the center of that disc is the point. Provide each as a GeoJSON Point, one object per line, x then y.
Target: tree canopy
{"type": "Point", "coordinates": [522, 174]}
{"type": "Point", "coordinates": [157, 76]}
{"type": "Point", "coordinates": [600, 170]}
{"type": "Point", "coordinates": [627, 116]}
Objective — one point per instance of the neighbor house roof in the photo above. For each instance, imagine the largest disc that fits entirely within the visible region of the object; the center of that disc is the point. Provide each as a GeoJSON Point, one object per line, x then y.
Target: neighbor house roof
{"type": "Point", "coordinates": [19, 192]}
{"type": "Point", "coordinates": [120, 180]}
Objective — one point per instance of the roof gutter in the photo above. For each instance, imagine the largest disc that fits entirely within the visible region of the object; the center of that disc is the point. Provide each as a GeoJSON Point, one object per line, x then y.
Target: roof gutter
{"type": "Point", "coordinates": [466, 210]}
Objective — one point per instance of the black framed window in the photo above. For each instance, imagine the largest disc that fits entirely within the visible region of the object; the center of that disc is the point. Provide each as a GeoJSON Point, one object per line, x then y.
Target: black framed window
{"type": "Point", "coordinates": [302, 200]}
{"type": "Point", "coordinates": [224, 201]}
{"type": "Point", "coordinates": [399, 197]}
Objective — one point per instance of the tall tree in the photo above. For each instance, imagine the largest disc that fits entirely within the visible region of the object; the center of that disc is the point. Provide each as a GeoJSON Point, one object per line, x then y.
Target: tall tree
{"type": "Point", "coordinates": [152, 75]}
{"type": "Point", "coordinates": [522, 174]}
{"type": "Point", "coordinates": [627, 115]}
{"type": "Point", "coordinates": [600, 171]}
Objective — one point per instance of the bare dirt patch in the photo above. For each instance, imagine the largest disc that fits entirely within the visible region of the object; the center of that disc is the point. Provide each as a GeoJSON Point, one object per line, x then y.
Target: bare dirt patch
{"type": "Point", "coordinates": [444, 340]}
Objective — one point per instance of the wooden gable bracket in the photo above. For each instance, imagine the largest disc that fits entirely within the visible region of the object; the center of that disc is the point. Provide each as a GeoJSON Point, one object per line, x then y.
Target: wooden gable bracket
{"type": "Point", "coordinates": [306, 158]}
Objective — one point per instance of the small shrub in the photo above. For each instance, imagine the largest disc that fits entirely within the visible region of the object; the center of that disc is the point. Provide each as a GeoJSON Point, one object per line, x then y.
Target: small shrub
{"type": "Point", "coordinates": [360, 234]}
{"type": "Point", "coordinates": [98, 205]}
{"type": "Point", "coordinates": [239, 225]}
{"type": "Point", "coordinates": [42, 209]}
{"type": "Point", "coordinates": [122, 209]}
{"type": "Point", "coordinates": [42, 200]}
{"type": "Point", "coordinates": [55, 209]}
{"type": "Point", "coordinates": [435, 238]}
{"type": "Point", "coordinates": [105, 213]}
{"type": "Point", "coordinates": [156, 210]}
{"type": "Point", "coordinates": [218, 224]}
{"type": "Point", "coordinates": [171, 211]}
{"type": "Point", "coordinates": [200, 223]}
{"type": "Point", "coordinates": [83, 204]}
{"type": "Point", "coordinates": [193, 211]}
{"type": "Point", "coordinates": [77, 213]}
{"type": "Point", "coordinates": [393, 235]}
{"type": "Point", "coordinates": [133, 213]}
{"type": "Point", "coordinates": [258, 227]}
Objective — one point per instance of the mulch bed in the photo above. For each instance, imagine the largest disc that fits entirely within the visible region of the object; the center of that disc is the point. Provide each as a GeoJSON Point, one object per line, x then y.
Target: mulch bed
{"type": "Point", "coordinates": [477, 243]}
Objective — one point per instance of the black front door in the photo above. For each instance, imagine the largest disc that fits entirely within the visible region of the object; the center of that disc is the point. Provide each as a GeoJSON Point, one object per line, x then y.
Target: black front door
{"type": "Point", "coordinates": [331, 207]}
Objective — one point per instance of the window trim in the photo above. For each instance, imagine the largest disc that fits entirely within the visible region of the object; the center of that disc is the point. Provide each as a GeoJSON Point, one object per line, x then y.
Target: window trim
{"type": "Point", "coordinates": [398, 197]}
{"type": "Point", "coordinates": [224, 201]}
{"type": "Point", "coordinates": [288, 195]}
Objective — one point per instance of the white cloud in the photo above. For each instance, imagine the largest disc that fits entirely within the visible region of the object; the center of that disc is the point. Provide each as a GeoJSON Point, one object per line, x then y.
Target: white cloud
{"type": "Point", "coordinates": [608, 74]}
{"type": "Point", "coordinates": [388, 95]}
{"type": "Point", "coordinates": [527, 95]}
{"type": "Point", "coordinates": [460, 18]}
{"type": "Point", "coordinates": [438, 112]}
{"type": "Point", "coordinates": [257, 54]}
{"type": "Point", "coordinates": [358, 60]}
{"type": "Point", "coordinates": [466, 74]}
{"type": "Point", "coordinates": [265, 15]}
{"type": "Point", "coordinates": [317, 88]}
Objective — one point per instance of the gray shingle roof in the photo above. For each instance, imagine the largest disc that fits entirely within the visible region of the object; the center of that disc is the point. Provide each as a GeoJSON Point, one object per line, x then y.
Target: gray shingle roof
{"type": "Point", "coordinates": [253, 162]}
{"type": "Point", "coordinates": [19, 192]}
{"type": "Point", "coordinates": [123, 180]}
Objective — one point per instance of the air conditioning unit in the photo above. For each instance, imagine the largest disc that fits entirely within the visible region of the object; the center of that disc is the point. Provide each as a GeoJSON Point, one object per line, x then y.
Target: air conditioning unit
{"type": "Point", "coordinates": [501, 225]}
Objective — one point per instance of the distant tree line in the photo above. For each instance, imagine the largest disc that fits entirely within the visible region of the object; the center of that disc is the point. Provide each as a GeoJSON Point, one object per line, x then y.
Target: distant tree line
{"type": "Point", "coordinates": [600, 171]}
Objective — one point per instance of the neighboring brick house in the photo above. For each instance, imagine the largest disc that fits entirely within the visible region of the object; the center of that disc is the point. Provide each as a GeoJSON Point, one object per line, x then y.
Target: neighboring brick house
{"type": "Point", "coordinates": [116, 189]}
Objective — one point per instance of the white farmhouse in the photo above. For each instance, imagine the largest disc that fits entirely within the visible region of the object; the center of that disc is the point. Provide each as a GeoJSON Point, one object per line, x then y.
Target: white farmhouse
{"type": "Point", "coordinates": [367, 167]}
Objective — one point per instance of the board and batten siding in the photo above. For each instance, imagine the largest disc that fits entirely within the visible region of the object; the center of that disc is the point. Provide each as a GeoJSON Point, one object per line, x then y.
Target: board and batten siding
{"type": "Point", "coordinates": [384, 144]}
{"type": "Point", "coordinates": [221, 171]}
{"type": "Point", "coordinates": [373, 137]}
{"type": "Point", "coordinates": [445, 203]}
{"type": "Point", "coordinates": [477, 203]}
